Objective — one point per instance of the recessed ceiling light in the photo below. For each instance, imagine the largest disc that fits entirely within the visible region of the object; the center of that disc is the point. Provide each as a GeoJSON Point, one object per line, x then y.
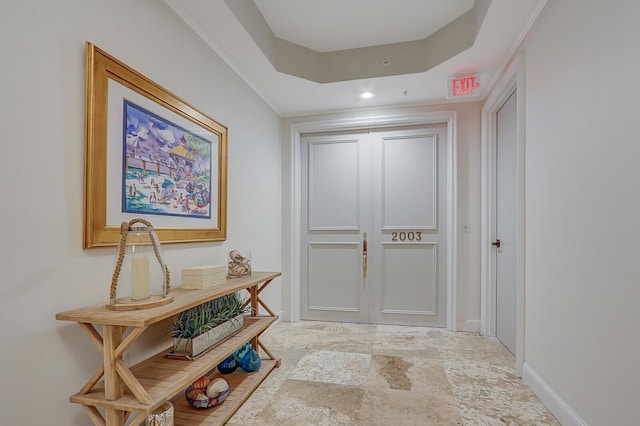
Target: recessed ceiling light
{"type": "Point", "coordinates": [366, 95]}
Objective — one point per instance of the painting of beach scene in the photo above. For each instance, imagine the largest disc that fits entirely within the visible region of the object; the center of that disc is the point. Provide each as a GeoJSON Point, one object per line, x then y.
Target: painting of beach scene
{"type": "Point", "coordinates": [166, 169]}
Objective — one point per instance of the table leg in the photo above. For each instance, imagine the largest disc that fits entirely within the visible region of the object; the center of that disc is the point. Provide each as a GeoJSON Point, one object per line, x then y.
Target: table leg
{"type": "Point", "coordinates": [255, 310]}
{"type": "Point", "coordinates": [113, 386]}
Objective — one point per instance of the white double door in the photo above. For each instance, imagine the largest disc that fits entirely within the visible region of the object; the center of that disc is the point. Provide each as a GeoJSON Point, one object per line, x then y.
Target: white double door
{"type": "Point", "coordinates": [373, 226]}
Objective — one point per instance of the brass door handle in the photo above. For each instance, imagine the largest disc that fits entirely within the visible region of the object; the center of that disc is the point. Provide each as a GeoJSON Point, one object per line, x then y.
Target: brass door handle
{"type": "Point", "coordinates": [496, 243]}
{"type": "Point", "coordinates": [364, 256]}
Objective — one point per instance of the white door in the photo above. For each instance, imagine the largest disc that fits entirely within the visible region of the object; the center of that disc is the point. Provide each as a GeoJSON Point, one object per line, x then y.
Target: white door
{"type": "Point", "coordinates": [373, 218]}
{"type": "Point", "coordinates": [335, 214]}
{"type": "Point", "coordinates": [506, 223]}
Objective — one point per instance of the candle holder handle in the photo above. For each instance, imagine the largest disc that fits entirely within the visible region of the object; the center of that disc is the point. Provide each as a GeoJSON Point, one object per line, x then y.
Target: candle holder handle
{"type": "Point", "coordinates": [125, 227]}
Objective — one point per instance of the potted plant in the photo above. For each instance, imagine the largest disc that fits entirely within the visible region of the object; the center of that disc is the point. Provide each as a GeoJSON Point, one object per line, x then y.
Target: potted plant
{"type": "Point", "coordinates": [202, 327]}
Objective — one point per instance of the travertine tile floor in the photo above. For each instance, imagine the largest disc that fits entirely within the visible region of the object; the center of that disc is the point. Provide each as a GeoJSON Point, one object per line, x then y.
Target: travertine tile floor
{"type": "Point", "coordinates": [365, 374]}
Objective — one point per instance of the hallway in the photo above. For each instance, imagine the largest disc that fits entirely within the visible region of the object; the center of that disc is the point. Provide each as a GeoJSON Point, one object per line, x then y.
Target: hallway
{"type": "Point", "coordinates": [365, 374]}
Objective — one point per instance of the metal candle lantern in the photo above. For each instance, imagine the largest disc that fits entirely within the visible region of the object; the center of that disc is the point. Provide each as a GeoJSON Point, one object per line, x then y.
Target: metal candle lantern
{"type": "Point", "coordinates": [141, 278]}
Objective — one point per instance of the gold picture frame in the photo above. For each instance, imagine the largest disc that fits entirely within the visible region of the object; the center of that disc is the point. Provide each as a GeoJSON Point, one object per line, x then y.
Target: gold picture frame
{"type": "Point", "coordinates": [108, 81]}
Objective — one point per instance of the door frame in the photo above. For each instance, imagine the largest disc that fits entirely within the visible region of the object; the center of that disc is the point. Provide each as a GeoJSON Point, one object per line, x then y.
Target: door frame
{"type": "Point", "coordinates": [513, 79]}
{"type": "Point", "coordinates": [374, 119]}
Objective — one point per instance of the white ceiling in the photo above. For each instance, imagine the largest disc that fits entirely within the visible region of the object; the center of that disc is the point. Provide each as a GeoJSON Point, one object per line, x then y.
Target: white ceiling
{"type": "Point", "coordinates": [330, 25]}
{"type": "Point", "coordinates": [335, 25]}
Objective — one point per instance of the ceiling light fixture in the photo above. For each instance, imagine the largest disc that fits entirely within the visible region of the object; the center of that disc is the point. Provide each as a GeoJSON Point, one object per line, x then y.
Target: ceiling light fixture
{"type": "Point", "coordinates": [366, 95]}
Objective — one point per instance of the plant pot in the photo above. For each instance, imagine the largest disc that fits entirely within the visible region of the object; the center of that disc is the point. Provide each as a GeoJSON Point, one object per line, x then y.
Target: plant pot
{"type": "Point", "coordinates": [199, 344]}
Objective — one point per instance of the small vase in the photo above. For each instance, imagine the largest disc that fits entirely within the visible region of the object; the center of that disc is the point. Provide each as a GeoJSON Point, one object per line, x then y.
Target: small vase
{"type": "Point", "coordinates": [242, 351]}
{"type": "Point", "coordinates": [251, 361]}
{"type": "Point", "coordinates": [229, 365]}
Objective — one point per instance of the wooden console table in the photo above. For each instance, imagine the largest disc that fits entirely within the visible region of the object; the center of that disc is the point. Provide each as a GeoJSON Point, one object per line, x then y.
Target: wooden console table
{"type": "Point", "coordinates": [122, 390]}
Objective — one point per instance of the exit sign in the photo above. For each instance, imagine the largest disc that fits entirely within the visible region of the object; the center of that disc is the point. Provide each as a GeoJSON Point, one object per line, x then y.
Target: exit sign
{"type": "Point", "coordinates": [464, 86]}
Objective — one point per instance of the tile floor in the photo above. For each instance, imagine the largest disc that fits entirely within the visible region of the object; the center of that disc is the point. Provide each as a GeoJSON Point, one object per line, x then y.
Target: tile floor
{"type": "Point", "coordinates": [365, 374]}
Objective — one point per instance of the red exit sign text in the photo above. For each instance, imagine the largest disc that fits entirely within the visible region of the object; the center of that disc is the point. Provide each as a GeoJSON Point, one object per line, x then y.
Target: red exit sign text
{"type": "Point", "coordinates": [463, 86]}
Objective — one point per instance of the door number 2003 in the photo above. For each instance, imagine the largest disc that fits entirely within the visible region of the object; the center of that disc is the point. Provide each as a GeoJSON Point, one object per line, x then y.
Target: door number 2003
{"type": "Point", "coordinates": [406, 236]}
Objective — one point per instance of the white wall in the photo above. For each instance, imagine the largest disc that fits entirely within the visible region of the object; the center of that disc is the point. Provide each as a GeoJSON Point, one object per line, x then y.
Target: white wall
{"type": "Point", "coordinates": [582, 207]}
{"type": "Point", "coordinates": [468, 201]}
{"type": "Point", "coordinates": [45, 270]}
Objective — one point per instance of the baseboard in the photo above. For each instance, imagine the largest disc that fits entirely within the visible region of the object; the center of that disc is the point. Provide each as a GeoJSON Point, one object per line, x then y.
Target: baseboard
{"type": "Point", "coordinates": [472, 326]}
{"type": "Point", "coordinates": [283, 316]}
{"type": "Point", "coordinates": [560, 410]}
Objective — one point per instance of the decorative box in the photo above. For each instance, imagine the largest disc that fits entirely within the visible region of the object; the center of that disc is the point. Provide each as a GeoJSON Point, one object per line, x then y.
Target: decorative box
{"type": "Point", "coordinates": [201, 277]}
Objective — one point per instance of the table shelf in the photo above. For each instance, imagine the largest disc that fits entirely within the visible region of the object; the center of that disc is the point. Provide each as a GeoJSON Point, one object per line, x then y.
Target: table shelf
{"type": "Point", "coordinates": [242, 385]}
{"type": "Point", "coordinates": [146, 386]}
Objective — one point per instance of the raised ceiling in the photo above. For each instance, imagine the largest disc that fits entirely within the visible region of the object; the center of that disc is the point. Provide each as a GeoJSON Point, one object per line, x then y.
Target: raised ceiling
{"type": "Point", "coordinates": [453, 34]}
{"type": "Point", "coordinates": [308, 56]}
{"type": "Point", "coordinates": [347, 25]}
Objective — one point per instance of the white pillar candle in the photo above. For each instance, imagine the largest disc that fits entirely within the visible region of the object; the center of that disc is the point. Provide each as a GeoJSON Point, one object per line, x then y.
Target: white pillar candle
{"type": "Point", "coordinates": [140, 278]}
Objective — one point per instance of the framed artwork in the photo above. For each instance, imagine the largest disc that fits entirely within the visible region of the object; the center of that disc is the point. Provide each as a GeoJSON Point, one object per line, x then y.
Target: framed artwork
{"type": "Point", "coordinates": [149, 154]}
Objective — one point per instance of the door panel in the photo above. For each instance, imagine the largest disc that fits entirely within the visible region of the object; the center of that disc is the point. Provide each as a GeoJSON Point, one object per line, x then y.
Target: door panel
{"type": "Point", "coordinates": [336, 173]}
{"type": "Point", "coordinates": [409, 269]}
{"type": "Point", "coordinates": [333, 181]}
{"type": "Point", "coordinates": [409, 226]}
{"type": "Point", "coordinates": [506, 223]}
{"type": "Point", "coordinates": [409, 181]}
{"type": "Point", "coordinates": [333, 268]}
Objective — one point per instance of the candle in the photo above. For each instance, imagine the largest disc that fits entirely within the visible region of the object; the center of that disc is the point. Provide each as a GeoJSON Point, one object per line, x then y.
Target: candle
{"type": "Point", "coordinates": [139, 278]}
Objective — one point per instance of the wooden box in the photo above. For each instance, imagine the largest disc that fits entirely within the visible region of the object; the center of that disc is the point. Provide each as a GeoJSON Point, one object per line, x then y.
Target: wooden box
{"type": "Point", "coordinates": [201, 277]}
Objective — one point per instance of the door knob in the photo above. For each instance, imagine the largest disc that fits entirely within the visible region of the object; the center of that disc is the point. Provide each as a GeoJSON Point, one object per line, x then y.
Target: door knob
{"type": "Point", "coordinates": [496, 243]}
